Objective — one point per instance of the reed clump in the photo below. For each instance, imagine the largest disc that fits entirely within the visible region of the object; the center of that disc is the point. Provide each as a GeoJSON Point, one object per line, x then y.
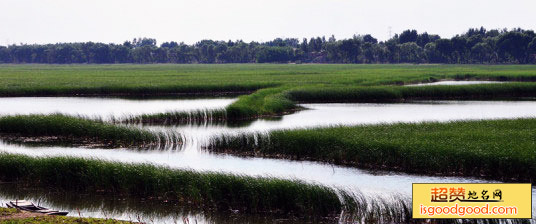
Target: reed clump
{"type": "Point", "coordinates": [276, 101]}
{"type": "Point", "coordinates": [496, 149]}
{"type": "Point", "coordinates": [400, 93]}
{"type": "Point", "coordinates": [204, 191]}
{"type": "Point", "coordinates": [264, 102]}
{"type": "Point", "coordinates": [209, 190]}
{"type": "Point", "coordinates": [73, 130]}
{"type": "Point", "coordinates": [179, 117]}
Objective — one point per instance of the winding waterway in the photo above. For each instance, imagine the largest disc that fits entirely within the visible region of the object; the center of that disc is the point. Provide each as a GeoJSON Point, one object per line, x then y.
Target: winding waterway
{"type": "Point", "coordinates": [196, 136]}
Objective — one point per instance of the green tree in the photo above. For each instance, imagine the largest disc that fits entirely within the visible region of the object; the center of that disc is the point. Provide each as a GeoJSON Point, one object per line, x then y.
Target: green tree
{"type": "Point", "coordinates": [512, 47]}
{"type": "Point", "coordinates": [408, 36]}
{"type": "Point", "coordinates": [410, 52]}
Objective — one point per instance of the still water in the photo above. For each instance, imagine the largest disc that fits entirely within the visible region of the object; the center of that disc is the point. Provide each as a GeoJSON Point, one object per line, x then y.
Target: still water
{"type": "Point", "coordinates": [129, 209]}
{"type": "Point", "coordinates": [104, 108]}
{"type": "Point", "coordinates": [454, 82]}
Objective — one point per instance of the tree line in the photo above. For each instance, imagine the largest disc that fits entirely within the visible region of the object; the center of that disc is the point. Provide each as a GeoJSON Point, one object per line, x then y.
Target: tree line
{"type": "Point", "coordinates": [478, 45]}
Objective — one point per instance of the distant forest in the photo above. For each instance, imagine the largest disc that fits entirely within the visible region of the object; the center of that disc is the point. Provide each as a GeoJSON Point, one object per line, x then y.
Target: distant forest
{"type": "Point", "coordinates": [479, 46]}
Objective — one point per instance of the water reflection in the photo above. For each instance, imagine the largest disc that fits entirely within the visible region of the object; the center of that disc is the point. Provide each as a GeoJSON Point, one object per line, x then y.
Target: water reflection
{"type": "Point", "coordinates": [105, 108]}
{"type": "Point", "coordinates": [330, 114]}
{"type": "Point", "coordinates": [454, 83]}
{"type": "Point", "coordinates": [124, 208]}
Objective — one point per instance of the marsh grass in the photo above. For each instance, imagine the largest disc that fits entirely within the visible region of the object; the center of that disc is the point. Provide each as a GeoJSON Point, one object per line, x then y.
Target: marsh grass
{"type": "Point", "coordinates": [161, 79]}
{"type": "Point", "coordinates": [281, 100]}
{"type": "Point", "coordinates": [288, 199]}
{"type": "Point", "coordinates": [276, 88]}
{"type": "Point", "coordinates": [178, 117]}
{"type": "Point", "coordinates": [401, 93]}
{"type": "Point", "coordinates": [276, 101]}
{"type": "Point", "coordinates": [264, 102]}
{"type": "Point", "coordinates": [150, 209]}
{"type": "Point", "coordinates": [75, 130]}
{"type": "Point", "coordinates": [215, 193]}
{"type": "Point", "coordinates": [210, 190]}
{"type": "Point", "coordinates": [496, 149]}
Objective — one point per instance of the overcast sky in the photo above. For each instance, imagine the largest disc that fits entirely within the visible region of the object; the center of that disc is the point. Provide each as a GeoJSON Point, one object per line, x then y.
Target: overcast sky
{"type": "Point", "coordinates": [51, 21]}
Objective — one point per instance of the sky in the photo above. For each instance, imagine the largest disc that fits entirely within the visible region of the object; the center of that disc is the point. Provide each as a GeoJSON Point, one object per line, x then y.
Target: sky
{"type": "Point", "coordinates": [114, 21]}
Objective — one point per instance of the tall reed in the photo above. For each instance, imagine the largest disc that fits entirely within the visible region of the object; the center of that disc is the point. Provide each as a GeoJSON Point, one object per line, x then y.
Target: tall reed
{"type": "Point", "coordinates": [75, 130]}
{"type": "Point", "coordinates": [495, 149]}
{"type": "Point", "coordinates": [210, 190]}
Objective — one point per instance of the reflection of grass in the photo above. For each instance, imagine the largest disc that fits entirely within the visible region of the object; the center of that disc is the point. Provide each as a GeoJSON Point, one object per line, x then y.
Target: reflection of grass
{"type": "Point", "coordinates": [71, 129]}
{"type": "Point", "coordinates": [110, 206]}
{"type": "Point", "coordinates": [359, 208]}
{"type": "Point", "coordinates": [210, 190]}
{"type": "Point", "coordinates": [6, 217]}
{"type": "Point", "coordinates": [498, 149]}
{"type": "Point", "coordinates": [356, 207]}
{"type": "Point", "coordinates": [179, 117]}
{"type": "Point", "coordinates": [145, 210]}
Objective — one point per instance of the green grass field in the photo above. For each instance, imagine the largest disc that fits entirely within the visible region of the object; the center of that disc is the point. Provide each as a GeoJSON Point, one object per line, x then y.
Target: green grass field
{"type": "Point", "coordinates": [207, 79]}
{"type": "Point", "coordinates": [495, 149]}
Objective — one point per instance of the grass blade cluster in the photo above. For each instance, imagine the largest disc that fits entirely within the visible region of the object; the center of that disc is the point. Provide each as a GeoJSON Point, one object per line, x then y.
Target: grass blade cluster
{"type": "Point", "coordinates": [400, 93]}
{"type": "Point", "coordinates": [497, 149]}
{"type": "Point", "coordinates": [264, 102]}
{"type": "Point", "coordinates": [179, 117]}
{"type": "Point", "coordinates": [210, 190]}
{"type": "Point", "coordinates": [73, 130]}
{"type": "Point", "coordinates": [280, 100]}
